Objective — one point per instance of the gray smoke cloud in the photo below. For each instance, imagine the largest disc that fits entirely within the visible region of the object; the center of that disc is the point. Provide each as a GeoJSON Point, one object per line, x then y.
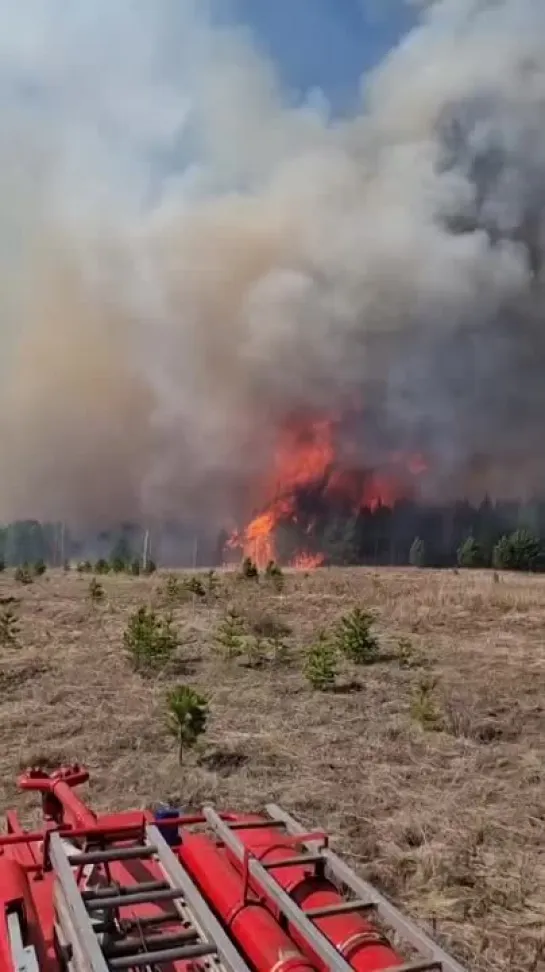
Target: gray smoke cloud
{"type": "Point", "coordinates": [188, 257]}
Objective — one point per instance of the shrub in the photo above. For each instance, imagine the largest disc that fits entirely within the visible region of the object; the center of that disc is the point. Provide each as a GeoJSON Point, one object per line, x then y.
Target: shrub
{"type": "Point", "coordinates": [187, 716]}
{"type": "Point", "coordinates": [96, 591]}
{"type": "Point", "coordinates": [470, 554]}
{"type": "Point", "coordinates": [256, 653]}
{"type": "Point", "coordinates": [176, 589]}
{"type": "Point", "coordinates": [274, 574]}
{"type": "Point", "coordinates": [149, 639]}
{"type": "Point", "coordinates": [280, 651]}
{"type": "Point", "coordinates": [417, 553]}
{"type": "Point", "coordinates": [9, 629]}
{"type": "Point", "coordinates": [423, 706]}
{"type": "Point", "coordinates": [195, 586]}
{"type": "Point", "coordinates": [271, 633]}
{"type": "Point", "coordinates": [320, 665]}
{"type": "Point", "coordinates": [230, 635]}
{"type": "Point", "coordinates": [212, 583]}
{"type": "Point", "coordinates": [23, 574]}
{"type": "Point", "coordinates": [249, 570]}
{"type": "Point", "coordinates": [406, 654]}
{"type": "Point", "coordinates": [269, 627]}
{"type": "Point", "coordinates": [354, 637]}
{"type": "Point", "coordinates": [172, 588]}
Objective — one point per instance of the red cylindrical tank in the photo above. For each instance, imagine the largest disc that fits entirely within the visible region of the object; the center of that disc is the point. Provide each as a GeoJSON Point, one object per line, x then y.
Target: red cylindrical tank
{"type": "Point", "coordinates": [358, 940]}
{"type": "Point", "coordinates": [252, 925]}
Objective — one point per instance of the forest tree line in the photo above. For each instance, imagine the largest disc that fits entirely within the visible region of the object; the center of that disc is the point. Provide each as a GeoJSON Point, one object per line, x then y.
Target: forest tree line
{"type": "Point", "coordinates": [491, 534]}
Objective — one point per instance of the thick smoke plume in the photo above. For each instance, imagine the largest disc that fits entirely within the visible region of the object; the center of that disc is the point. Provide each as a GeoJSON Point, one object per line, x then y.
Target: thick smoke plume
{"type": "Point", "coordinates": [188, 258]}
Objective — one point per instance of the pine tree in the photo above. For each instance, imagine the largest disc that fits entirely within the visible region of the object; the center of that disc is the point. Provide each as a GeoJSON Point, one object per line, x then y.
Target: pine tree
{"type": "Point", "coordinates": [470, 553]}
{"type": "Point", "coordinates": [518, 551]}
{"type": "Point", "coordinates": [321, 664]}
{"type": "Point", "coordinates": [417, 553]}
{"type": "Point", "coordinates": [355, 639]}
{"type": "Point", "coordinates": [187, 716]}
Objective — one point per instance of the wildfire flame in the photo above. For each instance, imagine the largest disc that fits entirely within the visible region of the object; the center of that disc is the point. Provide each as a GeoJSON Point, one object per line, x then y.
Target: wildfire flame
{"type": "Point", "coordinates": [305, 458]}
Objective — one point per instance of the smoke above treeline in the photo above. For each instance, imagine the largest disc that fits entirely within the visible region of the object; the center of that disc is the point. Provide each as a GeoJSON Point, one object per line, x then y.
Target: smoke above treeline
{"type": "Point", "coordinates": [189, 258]}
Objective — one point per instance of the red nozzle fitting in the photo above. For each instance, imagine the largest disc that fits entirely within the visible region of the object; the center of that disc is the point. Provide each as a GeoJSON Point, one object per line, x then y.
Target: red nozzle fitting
{"type": "Point", "coordinates": [58, 801]}
{"type": "Point", "coordinates": [36, 778]}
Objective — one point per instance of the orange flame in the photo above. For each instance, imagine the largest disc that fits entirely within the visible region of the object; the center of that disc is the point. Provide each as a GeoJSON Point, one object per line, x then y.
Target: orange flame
{"type": "Point", "coordinates": [305, 457]}
{"type": "Point", "coordinates": [307, 561]}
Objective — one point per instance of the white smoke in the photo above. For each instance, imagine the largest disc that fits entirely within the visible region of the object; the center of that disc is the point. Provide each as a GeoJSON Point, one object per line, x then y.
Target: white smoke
{"type": "Point", "coordinates": [187, 257]}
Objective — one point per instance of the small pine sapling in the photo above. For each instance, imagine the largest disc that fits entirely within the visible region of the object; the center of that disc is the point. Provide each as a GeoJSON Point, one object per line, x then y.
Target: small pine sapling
{"type": "Point", "coordinates": [417, 553]}
{"type": "Point", "coordinates": [249, 570]}
{"type": "Point", "coordinates": [275, 575]}
{"type": "Point", "coordinates": [280, 651]}
{"type": "Point", "coordinates": [354, 638]}
{"type": "Point", "coordinates": [149, 639]}
{"type": "Point", "coordinates": [424, 709]}
{"type": "Point", "coordinates": [256, 655]}
{"type": "Point", "coordinates": [9, 629]}
{"type": "Point", "coordinates": [23, 574]}
{"type": "Point", "coordinates": [321, 664]}
{"type": "Point", "coordinates": [96, 591]}
{"type": "Point", "coordinates": [230, 635]}
{"type": "Point", "coordinates": [187, 716]}
{"type": "Point", "coordinates": [406, 654]}
{"type": "Point", "coordinates": [212, 584]}
{"type": "Point", "coordinates": [172, 588]}
{"type": "Point", "coordinates": [195, 586]}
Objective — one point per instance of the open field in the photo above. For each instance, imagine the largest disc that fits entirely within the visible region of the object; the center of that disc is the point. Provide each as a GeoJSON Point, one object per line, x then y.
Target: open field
{"type": "Point", "coordinates": [448, 822]}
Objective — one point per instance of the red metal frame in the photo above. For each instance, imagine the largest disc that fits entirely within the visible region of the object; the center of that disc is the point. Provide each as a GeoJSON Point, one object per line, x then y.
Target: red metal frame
{"type": "Point", "coordinates": [264, 937]}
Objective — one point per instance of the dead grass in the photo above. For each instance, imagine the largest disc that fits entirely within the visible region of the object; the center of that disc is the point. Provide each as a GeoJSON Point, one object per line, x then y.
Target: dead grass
{"type": "Point", "coordinates": [448, 822]}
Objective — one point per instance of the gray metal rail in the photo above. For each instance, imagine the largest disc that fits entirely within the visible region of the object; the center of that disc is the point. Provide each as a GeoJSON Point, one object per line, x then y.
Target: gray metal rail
{"type": "Point", "coordinates": [75, 922]}
{"type": "Point", "coordinates": [199, 933]}
{"type": "Point", "coordinates": [201, 915]}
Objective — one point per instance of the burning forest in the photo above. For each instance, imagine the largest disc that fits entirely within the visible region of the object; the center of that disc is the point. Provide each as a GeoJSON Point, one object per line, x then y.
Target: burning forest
{"type": "Point", "coordinates": [315, 474]}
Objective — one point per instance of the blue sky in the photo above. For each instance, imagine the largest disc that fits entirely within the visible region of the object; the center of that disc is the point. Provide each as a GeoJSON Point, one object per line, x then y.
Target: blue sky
{"type": "Point", "coordinates": [324, 43]}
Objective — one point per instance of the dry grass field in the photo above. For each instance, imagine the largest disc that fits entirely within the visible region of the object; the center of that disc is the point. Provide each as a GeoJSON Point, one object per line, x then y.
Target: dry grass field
{"type": "Point", "coordinates": [448, 820]}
